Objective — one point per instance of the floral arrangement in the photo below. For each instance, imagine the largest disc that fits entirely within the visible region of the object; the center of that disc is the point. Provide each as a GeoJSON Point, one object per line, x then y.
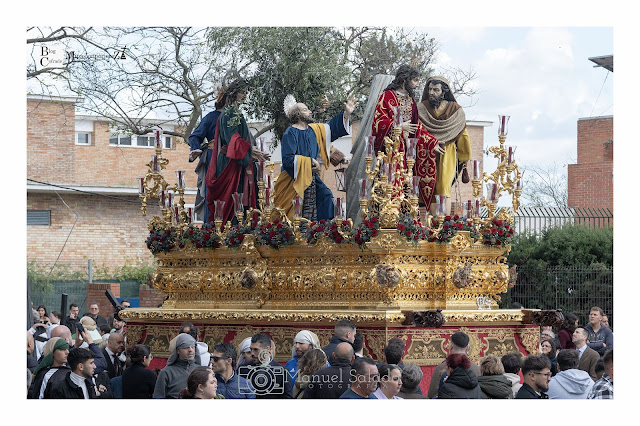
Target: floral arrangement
{"type": "Point", "coordinates": [235, 235]}
{"type": "Point", "coordinates": [411, 229]}
{"type": "Point", "coordinates": [161, 240]}
{"type": "Point", "coordinates": [277, 234]}
{"type": "Point", "coordinates": [329, 229]}
{"type": "Point", "coordinates": [363, 233]}
{"type": "Point", "coordinates": [497, 233]}
{"type": "Point", "coordinates": [205, 237]}
{"type": "Point", "coordinates": [449, 228]}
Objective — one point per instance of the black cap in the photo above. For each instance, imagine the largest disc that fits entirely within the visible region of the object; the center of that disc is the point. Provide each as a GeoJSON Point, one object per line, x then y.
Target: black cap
{"type": "Point", "coordinates": [460, 339]}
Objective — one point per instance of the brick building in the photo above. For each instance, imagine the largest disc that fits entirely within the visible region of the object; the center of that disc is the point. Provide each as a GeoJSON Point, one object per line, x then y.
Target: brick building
{"type": "Point", "coordinates": [590, 180]}
{"type": "Point", "coordinates": [82, 197]}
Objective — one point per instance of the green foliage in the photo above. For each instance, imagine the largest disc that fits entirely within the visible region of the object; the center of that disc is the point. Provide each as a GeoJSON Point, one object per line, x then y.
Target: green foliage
{"type": "Point", "coordinates": [567, 245]}
{"type": "Point", "coordinates": [41, 277]}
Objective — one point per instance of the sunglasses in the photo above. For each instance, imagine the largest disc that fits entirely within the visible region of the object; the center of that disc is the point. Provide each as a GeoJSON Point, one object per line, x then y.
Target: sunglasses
{"type": "Point", "coordinates": [218, 358]}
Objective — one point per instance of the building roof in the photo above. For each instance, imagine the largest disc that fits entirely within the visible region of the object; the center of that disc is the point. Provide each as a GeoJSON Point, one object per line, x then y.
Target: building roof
{"type": "Point", "coordinates": [605, 62]}
{"type": "Point", "coordinates": [71, 99]}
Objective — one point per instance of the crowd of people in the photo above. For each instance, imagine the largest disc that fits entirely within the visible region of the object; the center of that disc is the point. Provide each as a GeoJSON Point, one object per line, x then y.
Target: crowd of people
{"type": "Point", "coordinates": [75, 365]}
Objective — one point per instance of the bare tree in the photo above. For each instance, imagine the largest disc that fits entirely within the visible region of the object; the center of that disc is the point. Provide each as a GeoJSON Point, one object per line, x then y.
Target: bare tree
{"type": "Point", "coordinates": [545, 187]}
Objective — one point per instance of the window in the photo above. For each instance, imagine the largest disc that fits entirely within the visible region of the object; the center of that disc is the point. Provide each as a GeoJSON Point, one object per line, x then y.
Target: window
{"type": "Point", "coordinates": [116, 139]}
{"type": "Point", "coordinates": [145, 140]}
{"type": "Point", "coordinates": [38, 217]}
{"type": "Point", "coordinates": [167, 142]}
{"type": "Point", "coordinates": [83, 138]}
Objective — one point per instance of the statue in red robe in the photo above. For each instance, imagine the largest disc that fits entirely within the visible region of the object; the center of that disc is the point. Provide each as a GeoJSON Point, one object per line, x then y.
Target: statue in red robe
{"type": "Point", "coordinates": [399, 94]}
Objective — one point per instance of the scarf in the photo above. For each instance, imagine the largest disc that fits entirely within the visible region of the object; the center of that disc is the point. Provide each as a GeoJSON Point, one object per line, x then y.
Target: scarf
{"type": "Point", "coordinates": [182, 341]}
{"type": "Point", "coordinates": [451, 123]}
{"type": "Point", "coordinates": [306, 337]}
{"type": "Point", "coordinates": [55, 343]}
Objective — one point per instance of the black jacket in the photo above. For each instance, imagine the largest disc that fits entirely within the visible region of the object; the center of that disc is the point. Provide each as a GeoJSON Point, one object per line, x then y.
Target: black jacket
{"type": "Point", "coordinates": [111, 368]}
{"type": "Point", "coordinates": [527, 392]}
{"type": "Point", "coordinates": [36, 383]}
{"type": "Point", "coordinates": [329, 382]}
{"type": "Point", "coordinates": [331, 347]}
{"type": "Point", "coordinates": [138, 382]}
{"type": "Point", "coordinates": [495, 387]}
{"type": "Point", "coordinates": [66, 389]}
{"type": "Point", "coordinates": [461, 384]}
{"type": "Point", "coordinates": [72, 323]}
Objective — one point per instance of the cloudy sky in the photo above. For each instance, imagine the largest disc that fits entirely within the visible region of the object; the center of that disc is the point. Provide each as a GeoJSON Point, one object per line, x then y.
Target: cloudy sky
{"type": "Point", "coordinates": [540, 76]}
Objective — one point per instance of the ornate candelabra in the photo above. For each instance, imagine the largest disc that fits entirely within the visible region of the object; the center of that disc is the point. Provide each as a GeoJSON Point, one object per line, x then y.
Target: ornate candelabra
{"type": "Point", "coordinates": [394, 190]}
{"type": "Point", "coordinates": [506, 178]}
{"type": "Point", "coordinates": [153, 185]}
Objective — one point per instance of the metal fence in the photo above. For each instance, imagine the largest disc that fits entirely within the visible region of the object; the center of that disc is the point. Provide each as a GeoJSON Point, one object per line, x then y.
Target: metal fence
{"type": "Point", "coordinates": [570, 288]}
{"type": "Point", "coordinates": [77, 293]}
{"type": "Point", "coordinates": [536, 219]}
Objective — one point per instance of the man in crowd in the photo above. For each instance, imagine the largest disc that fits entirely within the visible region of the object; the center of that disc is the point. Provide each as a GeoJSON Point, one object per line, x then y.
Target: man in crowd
{"type": "Point", "coordinates": [202, 349]}
{"type": "Point", "coordinates": [364, 381]}
{"type": "Point", "coordinates": [588, 357]}
{"type": "Point", "coordinates": [94, 314]}
{"type": "Point", "coordinates": [569, 383]}
{"type": "Point", "coordinates": [536, 370]}
{"type": "Point", "coordinates": [600, 337]}
{"type": "Point", "coordinates": [115, 346]}
{"type": "Point", "coordinates": [399, 96]}
{"type": "Point", "coordinates": [392, 353]}
{"type": "Point", "coordinates": [173, 377]}
{"type": "Point", "coordinates": [303, 144]}
{"type": "Point", "coordinates": [263, 366]}
{"type": "Point", "coordinates": [331, 382]}
{"type": "Point", "coordinates": [358, 345]}
{"type": "Point", "coordinates": [125, 304]}
{"type": "Point", "coordinates": [78, 381]}
{"type": "Point", "coordinates": [223, 364]}
{"type": "Point", "coordinates": [603, 388]}
{"type": "Point", "coordinates": [444, 118]}
{"type": "Point", "coordinates": [511, 364]}
{"type": "Point", "coordinates": [459, 344]}
{"type": "Point", "coordinates": [72, 320]}
{"type": "Point", "coordinates": [343, 331]}
{"type": "Point", "coordinates": [304, 341]}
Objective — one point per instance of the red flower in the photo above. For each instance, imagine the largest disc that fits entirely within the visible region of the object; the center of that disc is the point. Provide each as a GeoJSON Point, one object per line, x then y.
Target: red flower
{"type": "Point", "coordinates": [374, 232]}
{"type": "Point", "coordinates": [415, 238]}
{"type": "Point", "coordinates": [190, 231]}
{"type": "Point", "coordinates": [287, 235]}
{"type": "Point", "coordinates": [500, 232]}
{"type": "Point", "coordinates": [313, 224]}
{"type": "Point", "coordinates": [279, 225]}
{"type": "Point", "coordinates": [374, 219]}
{"type": "Point", "coordinates": [494, 230]}
{"type": "Point", "coordinates": [206, 237]}
{"type": "Point", "coordinates": [487, 243]}
{"type": "Point", "coordinates": [240, 237]}
{"type": "Point", "coordinates": [322, 221]}
{"type": "Point", "coordinates": [401, 227]}
{"type": "Point", "coordinates": [272, 233]}
{"type": "Point", "coordinates": [456, 217]}
{"type": "Point", "coordinates": [498, 242]}
{"type": "Point", "coordinates": [334, 226]}
{"type": "Point", "coordinates": [232, 241]}
{"type": "Point", "coordinates": [320, 229]}
{"type": "Point", "coordinates": [447, 218]}
{"type": "Point", "coordinates": [338, 239]}
{"type": "Point", "coordinates": [198, 245]}
{"type": "Point", "coordinates": [276, 220]}
{"type": "Point", "coordinates": [408, 233]}
{"type": "Point", "coordinates": [445, 226]}
{"type": "Point", "coordinates": [371, 225]}
{"type": "Point", "coordinates": [268, 225]}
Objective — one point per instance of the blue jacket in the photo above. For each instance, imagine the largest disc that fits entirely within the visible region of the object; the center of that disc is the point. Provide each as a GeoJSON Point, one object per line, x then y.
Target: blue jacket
{"type": "Point", "coordinates": [235, 388]}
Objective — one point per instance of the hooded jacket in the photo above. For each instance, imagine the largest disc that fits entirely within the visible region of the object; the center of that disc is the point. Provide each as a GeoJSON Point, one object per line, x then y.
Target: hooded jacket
{"type": "Point", "coordinates": [515, 382]}
{"type": "Point", "coordinates": [570, 384]}
{"type": "Point", "coordinates": [173, 378]}
{"type": "Point", "coordinates": [460, 384]}
{"type": "Point", "coordinates": [495, 387]}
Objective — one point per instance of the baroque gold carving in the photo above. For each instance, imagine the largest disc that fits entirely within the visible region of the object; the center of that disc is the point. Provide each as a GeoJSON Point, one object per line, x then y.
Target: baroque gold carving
{"type": "Point", "coordinates": [529, 337]}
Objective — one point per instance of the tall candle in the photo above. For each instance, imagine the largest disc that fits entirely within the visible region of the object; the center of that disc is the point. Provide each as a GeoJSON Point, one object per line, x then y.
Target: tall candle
{"type": "Point", "coordinates": [156, 163]}
{"type": "Point", "coordinates": [494, 192]}
{"type": "Point", "coordinates": [371, 140]}
{"type": "Point", "coordinates": [363, 189]}
{"type": "Point", "coordinates": [180, 177]}
{"type": "Point", "coordinates": [169, 199]}
{"type": "Point", "coordinates": [416, 185]}
{"type": "Point", "coordinates": [267, 197]}
{"type": "Point", "coordinates": [176, 213]}
{"type": "Point", "coordinates": [141, 186]}
{"type": "Point", "coordinates": [261, 171]}
{"type": "Point", "coordinates": [162, 198]}
{"type": "Point", "coordinates": [510, 157]}
{"type": "Point", "coordinates": [503, 121]}
{"type": "Point", "coordinates": [190, 214]}
{"type": "Point", "coordinates": [476, 170]}
{"type": "Point", "coordinates": [477, 210]}
{"type": "Point", "coordinates": [469, 208]}
{"type": "Point", "coordinates": [158, 139]}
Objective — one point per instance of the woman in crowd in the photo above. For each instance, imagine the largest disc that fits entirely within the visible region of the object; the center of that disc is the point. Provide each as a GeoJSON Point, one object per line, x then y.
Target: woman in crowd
{"type": "Point", "coordinates": [390, 382]}
{"type": "Point", "coordinates": [44, 316]}
{"type": "Point", "coordinates": [461, 381]}
{"type": "Point", "coordinates": [548, 348]}
{"type": "Point", "coordinates": [311, 361]}
{"type": "Point", "coordinates": [138, 382]}
{"type": "Point", "coordinates": [411, 378]}
{"type": "Point", "coordinates": [567, 328]}
{"type": "Point", "coordinates": [201, 384]}
{"type": "Point", "coordinates": [493, 383]}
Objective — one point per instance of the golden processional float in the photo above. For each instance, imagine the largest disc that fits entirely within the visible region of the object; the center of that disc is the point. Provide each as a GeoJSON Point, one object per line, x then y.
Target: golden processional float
{"type": "Point", "coordinates": [394, 275]}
